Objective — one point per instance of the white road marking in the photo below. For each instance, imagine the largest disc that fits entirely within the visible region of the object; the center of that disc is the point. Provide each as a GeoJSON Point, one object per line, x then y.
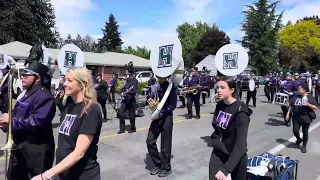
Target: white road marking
{"type": "Point", "coordinates": [292, 140]}
{"type": "Point", "coordinates": [318, 178]}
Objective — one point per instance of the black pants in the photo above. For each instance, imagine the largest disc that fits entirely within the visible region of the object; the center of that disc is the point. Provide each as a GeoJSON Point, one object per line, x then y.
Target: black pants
{"type": "Point", "coordinates": [111, 95]}
{"type": "Point", "coordinates": [273, 90]}
{"type": "Point", "coordinates": [205, 95]}
{"type": "Point", "coordinates": [131, 106]}
{"type": "Point", "coordinates": [30, 160]}
{"type": "Point", "coordinates": [240, 94]}
{"type": "Point", "coordinates": [267, 92]}
{"type": "Point", "coordinates": [163, 127]}
{"type": "Point", "coordinates": [285, 111]}
{"type": "Point", "coordinates": [305, 131]}
{"type": "Point", "coordinates": [218, 159]}
{"type": "Point", "coordinates": [253, 95]}
{"type": "Point", "coordinates": [103, 101]}
{"type": "Point", "coordinates": [193, 99]}
{"type": "Point", "coordinates": [183, 100]}
{"type": "Point", "coordinates": [317, 94]}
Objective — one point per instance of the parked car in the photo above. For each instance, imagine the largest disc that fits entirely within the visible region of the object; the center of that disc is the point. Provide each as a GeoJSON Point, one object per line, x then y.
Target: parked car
{"type": "Point", "coordinates": [142, 76]}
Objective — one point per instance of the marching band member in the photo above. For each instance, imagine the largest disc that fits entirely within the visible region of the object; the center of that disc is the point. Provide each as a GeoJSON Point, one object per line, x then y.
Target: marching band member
{"type": "Point", "coordinates": [184, 84]}
{"type": "Point", "coordinates": [101, 87]}
{"type": "Point", "coordinates": [128, 100]}
{"type": "Point", "coordinates": [253, 94]}
{"type": "Point", "coordinates": [290, 87]}
{"type": "Point", "coordinates": [151, 82]}
{"type": "Point", "coordinates": [204, 82]}
{"type": "Point", "coordinates": [229, 140]}
{"type": "Point", "coordinates": [267, 87]}
{"type": "Point", "coordinates": [302, 107]}
{"type": "Point", "coordinates": [273, 86]}
{"type": "Point", "coordinates": [316, 83]}
{"type": "Point", "coordinates": [163, 125]}
{"type": "Point", "coordinates": [76, 156]}
{"type": "Point", "coordinates": [112, 87]}
{"type": "Point", "coordinates": [239, 84]}
{"type": "Point", "coordinates": [4, 91]}
{"type": "Point", "coordinates": [194, 80]}
{"type": "Point", "coordinates": [32, 118]}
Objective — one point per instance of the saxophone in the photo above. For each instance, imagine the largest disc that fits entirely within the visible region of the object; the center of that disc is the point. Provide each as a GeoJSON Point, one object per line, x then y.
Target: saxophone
{"type": "Point", "coordinates": [125, 93]}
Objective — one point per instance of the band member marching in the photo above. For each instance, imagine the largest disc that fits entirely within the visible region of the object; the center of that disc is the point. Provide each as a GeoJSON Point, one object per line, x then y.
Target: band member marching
{"type": "Point", "coordinates": [185, 82]}
{"type": "Point", "coordinates": [151, 85]}
{"type": "Point", "coordinates": [163, 125]}
{"type": "Point", "coordinates": [316, 83]}
{"type": "Point", "coordinates": [32, 118]}
{"type": "Point", "coordinates": [112, 87]}
{"type": "Point", "coordinates": [204, 82]}
{"type": "Point", "coordinates": [101, 87]}
{"type": "Point", "coordinates": [289, 87]}
{"type": "Point", "coordinates": [169, 75]}
{"type": "Point", "coordinates": [253, 94]}
{"type": "Point", "coordinates": [4, 91]}
{"type": "Point", "coordinates": [194, 83]}
{"type": "Point", "coordinates": [128, 100]}
{"type": "Point", "coordinates": [267, 87]}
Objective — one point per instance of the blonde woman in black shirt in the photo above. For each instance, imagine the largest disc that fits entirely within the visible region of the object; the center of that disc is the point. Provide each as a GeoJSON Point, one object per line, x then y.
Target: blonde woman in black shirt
{"type": "Point", "coordinates": [76, 156]}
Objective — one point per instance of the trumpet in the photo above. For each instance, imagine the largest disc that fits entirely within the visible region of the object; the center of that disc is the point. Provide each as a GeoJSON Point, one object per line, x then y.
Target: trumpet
{"type": "Point", "coordinates": [10, 145]}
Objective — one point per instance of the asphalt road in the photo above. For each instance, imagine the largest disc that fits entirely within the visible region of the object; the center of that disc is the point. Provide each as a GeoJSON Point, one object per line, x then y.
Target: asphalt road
{"type": "Point", "coordinates": [125, 157]}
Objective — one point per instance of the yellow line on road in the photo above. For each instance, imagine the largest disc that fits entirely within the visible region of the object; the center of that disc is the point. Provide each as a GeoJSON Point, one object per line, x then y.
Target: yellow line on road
{"type": "Point", "coordinates": [178, 120]}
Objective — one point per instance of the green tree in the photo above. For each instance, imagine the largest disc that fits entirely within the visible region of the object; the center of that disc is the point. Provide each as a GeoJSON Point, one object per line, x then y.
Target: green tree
{"type": "Point", "coordinates": [28, 21]}
{"type": "Point", "coordinates": [315, 18]}
{"type": "Point", "coordinates": [302, 43]}
{"type": "Point", "coordinates": [111, 40]}
{"type": "Point", "coordinates": [261, 26]}
{"type": "Point", "coordinates": [139, 51]}
{"type": "Point", "coordinates": [86, 44]}
{"type": "Point", "coordinates": [210, 43]}
{"type": "Point", "coordinates": [190, 35]}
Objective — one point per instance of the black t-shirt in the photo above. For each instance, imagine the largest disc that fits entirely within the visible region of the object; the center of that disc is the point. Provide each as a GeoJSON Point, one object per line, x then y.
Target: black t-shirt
{"type": "Point", "coordinates": [72, 126]}
{"type": "Point", "coordinates": [300, 112]}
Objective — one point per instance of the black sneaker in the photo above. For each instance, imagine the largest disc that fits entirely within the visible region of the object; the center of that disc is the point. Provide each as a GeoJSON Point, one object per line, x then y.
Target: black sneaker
{"type": "Point", "coordinates": [132, 131]}
{"type": "Point", "coordinates": [197, 117]}
{"type": "Point", "coordinates": [304, 149]}
{"type": "Point", "coordinates": [155, 170]}
{"type": "Point", "coordinates": [121, 132]}
{"type": "Point", "coordinates": [298, 142]}
{"type": "Point", "coordinates": [164, 173]}
{"type": "Point", "coordinates": [189, 117]}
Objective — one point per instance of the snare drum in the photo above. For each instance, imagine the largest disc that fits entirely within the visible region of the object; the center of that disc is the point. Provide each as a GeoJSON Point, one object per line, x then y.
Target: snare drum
{"type": "Point", "coordinates": [281, 99]}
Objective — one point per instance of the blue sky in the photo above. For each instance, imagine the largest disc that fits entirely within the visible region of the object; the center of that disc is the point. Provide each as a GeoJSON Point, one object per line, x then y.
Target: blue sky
{"type": "Point", "coordinates": [142, 20]}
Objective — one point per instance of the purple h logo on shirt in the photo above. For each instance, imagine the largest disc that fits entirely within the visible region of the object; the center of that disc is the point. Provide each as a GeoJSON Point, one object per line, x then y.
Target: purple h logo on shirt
{"type": "Point", "coordinates": [223, 119]}
{"type": "Point", "coordinates": [67, 124]}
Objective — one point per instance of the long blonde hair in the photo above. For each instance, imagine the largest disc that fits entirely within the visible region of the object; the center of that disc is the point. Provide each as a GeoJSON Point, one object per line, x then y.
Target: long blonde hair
{"type": "Point", "coordinates": [84, 78]}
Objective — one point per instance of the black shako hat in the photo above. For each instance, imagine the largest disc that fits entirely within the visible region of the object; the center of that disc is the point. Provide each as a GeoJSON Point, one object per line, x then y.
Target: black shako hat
{"type": "Point", "coordinates": [34, 64]}
{"type": "Point", "coordinates": [129, 68]}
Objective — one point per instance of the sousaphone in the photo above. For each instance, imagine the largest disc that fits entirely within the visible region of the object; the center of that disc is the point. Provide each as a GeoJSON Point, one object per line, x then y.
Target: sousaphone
{"type": "Point", "coordinates": [230, 60]}
{"type": "Point", "coordinates": [166, 61]}
{"type": "Point", "coordinates": [69, 56]}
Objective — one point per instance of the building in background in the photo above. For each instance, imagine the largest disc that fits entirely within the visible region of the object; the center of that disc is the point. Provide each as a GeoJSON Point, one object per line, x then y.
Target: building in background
{"type": "Point", "coordinates": [104, 63]}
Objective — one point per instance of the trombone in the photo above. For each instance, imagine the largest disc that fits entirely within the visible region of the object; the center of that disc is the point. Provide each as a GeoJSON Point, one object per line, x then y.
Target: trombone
{"type": "Point", "coordinates": [10, 145]}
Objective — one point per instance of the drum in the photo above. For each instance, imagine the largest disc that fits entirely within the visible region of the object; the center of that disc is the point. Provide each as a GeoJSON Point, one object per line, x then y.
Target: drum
{"type": "Point", "coordinates": [281, 99]}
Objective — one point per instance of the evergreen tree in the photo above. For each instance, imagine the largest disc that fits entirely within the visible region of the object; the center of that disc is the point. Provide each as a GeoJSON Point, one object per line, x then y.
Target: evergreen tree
{"type": "Point", "coordinates": [210, 43]}
{"type": "Point", "coordinates": [28, 21]}
{"type": "Point", "coordinates": [315, 18]}
{"type": "Point", "coordinates": [111, 40]}
{"type": "Point", "coordinates": [261, 26]}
